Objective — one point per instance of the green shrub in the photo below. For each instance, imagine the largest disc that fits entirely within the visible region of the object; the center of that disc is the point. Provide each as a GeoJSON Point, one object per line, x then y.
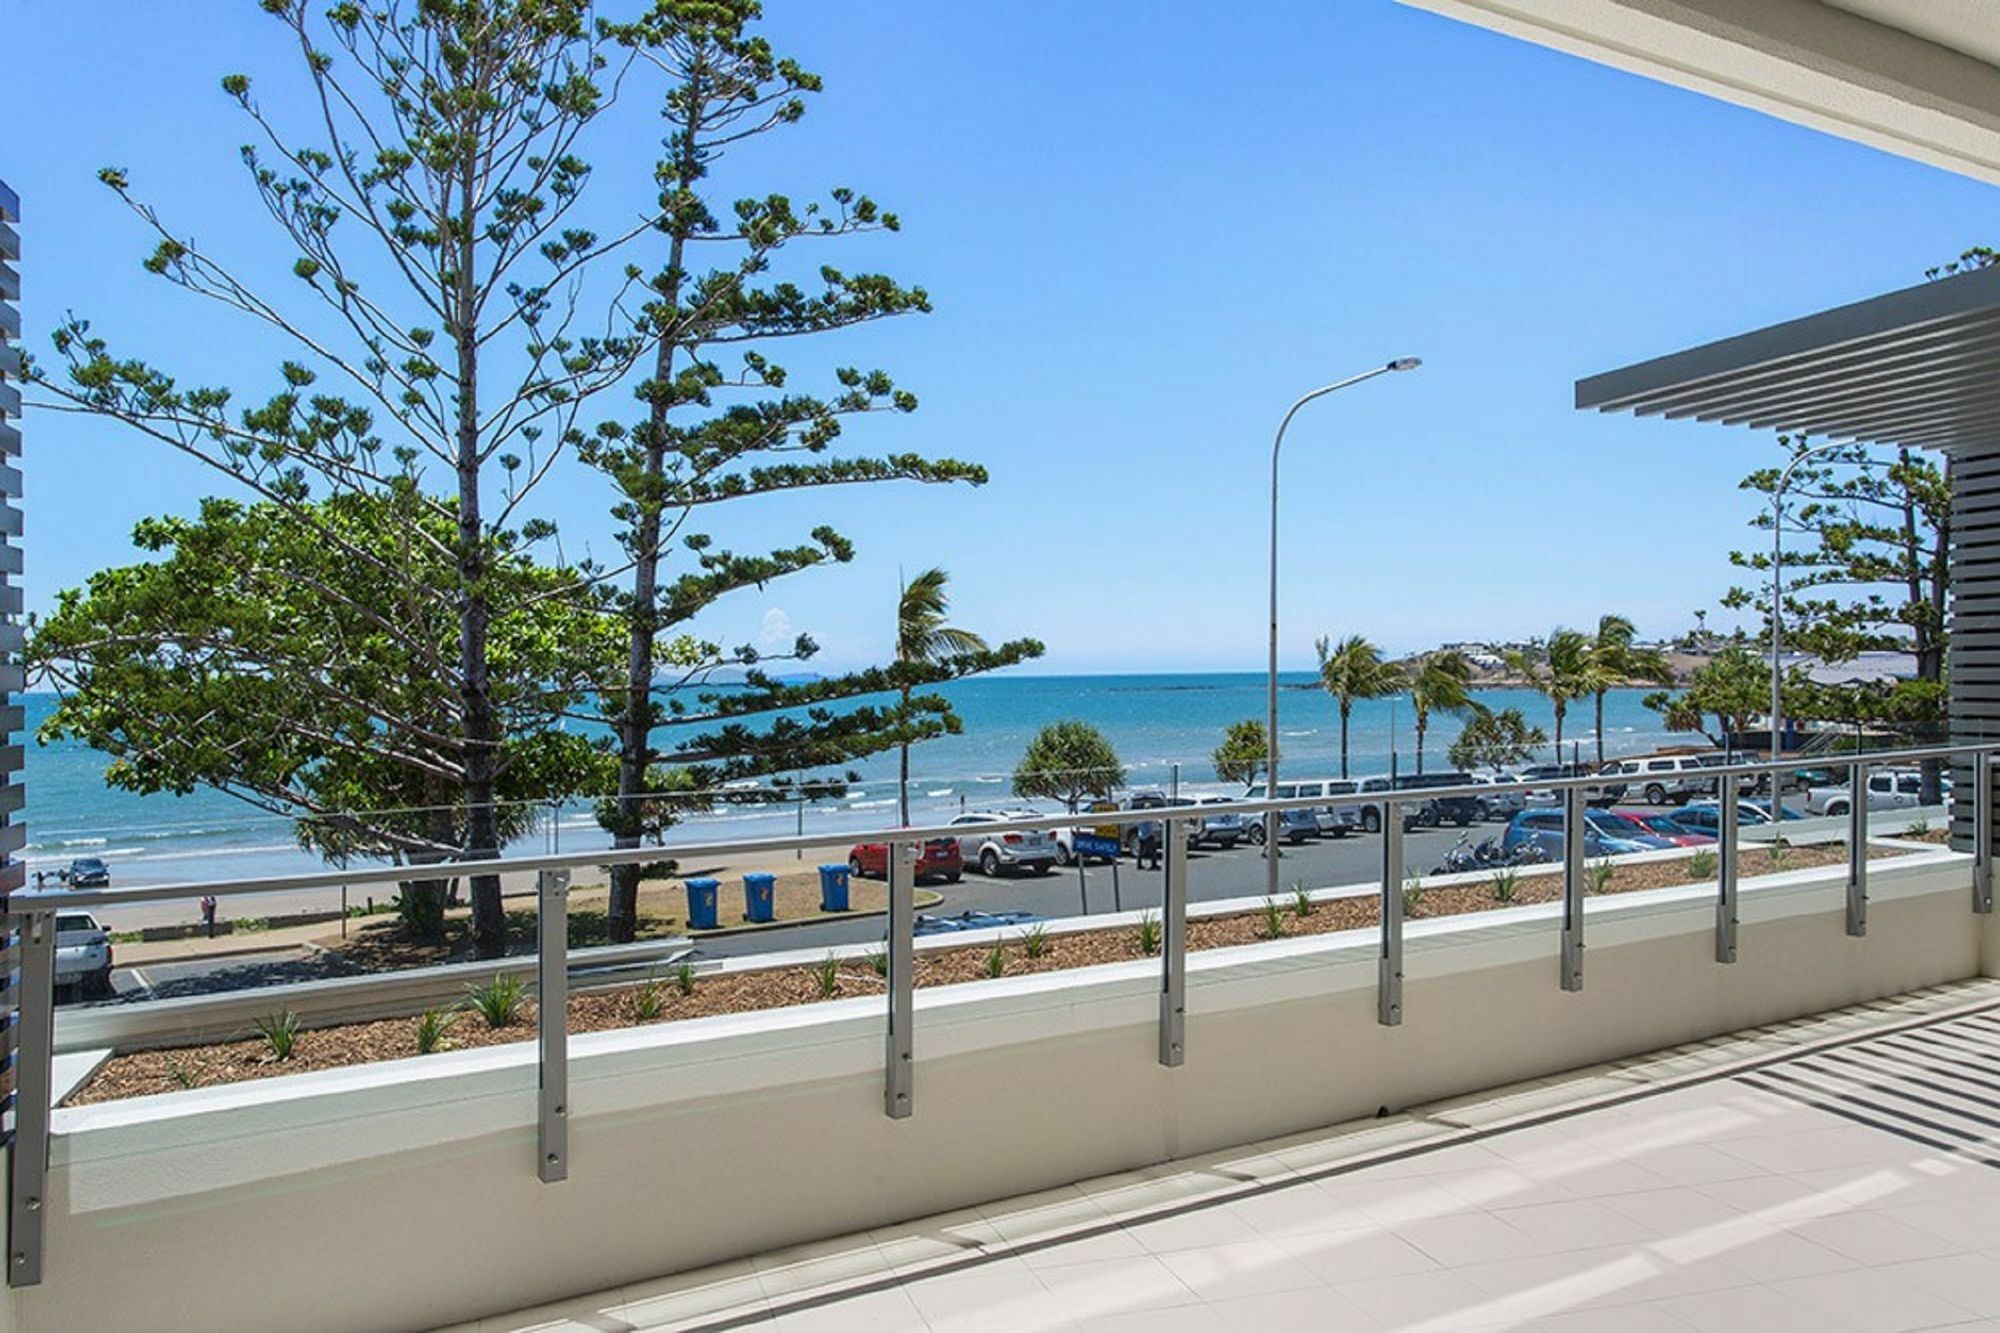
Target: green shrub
{"type": "Point", "coordinates": [1302, 900]}
{"type": "Point", "coordinates": [1506, 883]}
{"type": "Point", "coordinates": [648, 1002]}
{"type": "Point", "coordinates": [684, 979]}
{"type": "Point", "coordinates": [280, 1033]}
{"type": "Point", "coordinates": [996, 961]}
{"type": "Point", "coordinates": [1413, 895]}
{"type": "Point", "coordinates": [1702, 864]}
{"type": "Point", "coordinates": [1917, 828]}
{"type": "Point", "coordinates": [500, 1001]}
{"type": "Point", "coordinates": [184, 1076]}
{"type": "Point", "coordinates": [878, 962]}
{"type": "Point", "coordinates": [1149, 934]}
{"type": "Point", "coordinates": [1274, 921]}
{"type": "Point", "coordinates": [432, 1028]}
{"type": "Point", "coordinates": [1780, 854]}
{"type": "Point", "coordinates": [826, 976]}
{"type": "Point", "coordinates": [1034, 941]}
{"type": "Point", "coordinates": [1597, 875]}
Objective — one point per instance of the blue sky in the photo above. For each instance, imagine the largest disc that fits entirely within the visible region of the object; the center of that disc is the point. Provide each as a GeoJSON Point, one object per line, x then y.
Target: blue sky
{"type": "Point", "coordinates": [1146, 227]}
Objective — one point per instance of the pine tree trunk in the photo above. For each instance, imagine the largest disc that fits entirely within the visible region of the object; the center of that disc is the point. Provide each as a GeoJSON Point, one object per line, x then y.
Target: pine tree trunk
{"type": "Point", "coordinates": [481, 722]}
{"type": "Point", "coordinates": [636, 715]}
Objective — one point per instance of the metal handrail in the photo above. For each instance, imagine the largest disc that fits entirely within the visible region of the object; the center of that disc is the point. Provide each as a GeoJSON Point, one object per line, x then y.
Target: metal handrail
{"type": "Point", "coordinates": [50, 899]}
{"type": "Point", "coordinates": [32, 919]}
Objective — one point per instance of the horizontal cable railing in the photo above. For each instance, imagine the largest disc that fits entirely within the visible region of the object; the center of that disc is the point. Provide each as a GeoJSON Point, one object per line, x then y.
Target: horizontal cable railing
{"type": "Point", "coordinates": [32, 916]}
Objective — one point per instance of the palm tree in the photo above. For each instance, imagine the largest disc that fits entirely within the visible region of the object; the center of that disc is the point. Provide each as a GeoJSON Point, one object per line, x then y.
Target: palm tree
{"type": "Point", "coordinates": [1355, 669]}
{"type": "Point", "coordinates": [1559, 670]}
{"type": "Point", "coordinates": [1438, 685]}
{"type": "Point", "coordinates": [923, 637]}
{"type": "Point", "coordinates": [1613, 661]}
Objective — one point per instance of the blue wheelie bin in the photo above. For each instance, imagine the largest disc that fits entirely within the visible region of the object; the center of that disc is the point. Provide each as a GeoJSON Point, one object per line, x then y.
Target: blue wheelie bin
{"type": "Point", "coordinates": [833, 888]}
{"type": "Point", "coordinates": [759, 888]}
{"type": "Point", "coordinates": [701, 903]}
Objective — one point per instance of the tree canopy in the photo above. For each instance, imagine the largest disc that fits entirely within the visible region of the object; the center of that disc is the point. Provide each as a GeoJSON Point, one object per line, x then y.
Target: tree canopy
{"type": "Point", "coordinates": [1067, 761]}
{"type": "Point", "coordinates": [1244, 752]}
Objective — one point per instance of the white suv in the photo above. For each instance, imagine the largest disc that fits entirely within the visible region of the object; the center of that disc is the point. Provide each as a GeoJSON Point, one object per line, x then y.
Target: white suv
{"type": "Point", "coordinates": [1662, 780]}
{"type": "Point", "coordinates": [83, 954]}
{"type": "Point", "coordinates": [993, 850]}
{"type": "Point", "coordinates": [1892, 789]}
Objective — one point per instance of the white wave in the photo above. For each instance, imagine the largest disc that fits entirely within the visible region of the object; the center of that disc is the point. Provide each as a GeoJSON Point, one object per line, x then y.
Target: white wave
{"type": "Point", "coordinates": [941, 791]}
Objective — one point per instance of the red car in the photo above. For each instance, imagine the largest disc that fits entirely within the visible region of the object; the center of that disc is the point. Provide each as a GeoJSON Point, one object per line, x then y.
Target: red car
{"type": "Point", "coordinates": [1662, 826]}
{"type": "Point", "coordinates": [940, 860]}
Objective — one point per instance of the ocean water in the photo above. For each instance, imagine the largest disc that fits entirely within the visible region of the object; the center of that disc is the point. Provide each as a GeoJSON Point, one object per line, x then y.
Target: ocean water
{"type": "Point", "coordinates": [1164, 728]}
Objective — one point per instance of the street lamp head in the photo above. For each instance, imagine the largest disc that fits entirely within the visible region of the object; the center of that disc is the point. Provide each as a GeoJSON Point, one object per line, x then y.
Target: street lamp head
{"type": "Point", "coordinates": [1406, 363]}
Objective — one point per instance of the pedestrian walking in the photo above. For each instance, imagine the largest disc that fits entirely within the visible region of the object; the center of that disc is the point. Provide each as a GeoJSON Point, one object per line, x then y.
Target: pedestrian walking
{"type": "Point", "coordinates": [1149, 845]}
{"type": "Point", "coordinates": [208, 914]}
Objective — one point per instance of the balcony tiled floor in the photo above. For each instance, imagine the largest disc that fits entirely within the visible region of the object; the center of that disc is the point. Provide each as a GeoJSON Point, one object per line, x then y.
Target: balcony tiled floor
{"type": "Point", "coordinates": [1806, 1177]}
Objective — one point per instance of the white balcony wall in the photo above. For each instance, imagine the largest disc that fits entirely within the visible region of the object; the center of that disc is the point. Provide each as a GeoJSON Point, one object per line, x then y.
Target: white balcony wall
{"type": "Point", "coordinates": [404, 1195]}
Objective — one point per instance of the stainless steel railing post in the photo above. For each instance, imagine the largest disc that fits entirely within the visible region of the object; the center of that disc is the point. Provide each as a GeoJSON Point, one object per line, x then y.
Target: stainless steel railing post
{"type": "Point", "coordinates": [552, 1022]}
{"type": "Point", "coordinates": [898, 1091]}
{"type": "Point", "coordinates": [1857, 849]}
{"type": "Point", "coordinates": [1389, 966]}
{"type": "Point", "coordinates": [1982, 833]}
{"type": "Point", "coordinates": [1728, 865]}
{"type": "Point", "coordinates": [28, 1161]}
{"type": "Point", "coordinates": [1173, 950]}
{"type": "Point", "coordinates": [1575, 830]}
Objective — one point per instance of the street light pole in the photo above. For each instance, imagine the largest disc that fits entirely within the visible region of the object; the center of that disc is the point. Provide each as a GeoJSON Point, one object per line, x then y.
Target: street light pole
{"type": "Point", "coordinates": [1778, 612]}
{"type": "Point", "coordinates": [1271, 709]}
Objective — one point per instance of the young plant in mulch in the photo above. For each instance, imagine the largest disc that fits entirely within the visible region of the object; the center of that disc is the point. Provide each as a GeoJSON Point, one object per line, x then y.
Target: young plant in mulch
{"type": "Point", "coordinates": [996, 961]}
{"type": "Point", "coordinates": [1506, 883]}
{"type": "Point", "coordinates": [1274, 920]}
{"type": "Point", "coordinates": [684, 979]}
{"type": "Point", "coordinates": [183, 1075]}
{"type": "Point", "coordinates": [878, 962]}
{"type": "Point", "coordinates": [1918, 828]}
{"type": "Point", "coordinates": [1597, 875]}
{"type": "Point", "coordinates": [1701, 865]}
{"type": "Point", "coordinates": [500, 1001]}
{"type": "Point", "coordinates": [280, 1033]}
{"type": "Point", "coordinates": [1302, 899]}
{"type": "Point", "coordinates": [1413, 895]}
{"type": "Point", "coordinates": [1035, 940]}
{"type": "Point", "coordinates": [1149, 934]}
{"type": "Point", "coordinates": [648, 1002]}
{"type": "Point", "coordinates": [826, 975]}
{"type": "Point", "coordinates": [1779, 854]}
{"type": "Point", "coordinates": [433, 1026]}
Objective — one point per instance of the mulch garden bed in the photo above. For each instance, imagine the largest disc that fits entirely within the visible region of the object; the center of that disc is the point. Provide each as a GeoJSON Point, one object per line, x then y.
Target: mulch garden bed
{"type": "Point", "coordinates": [144, 1072]}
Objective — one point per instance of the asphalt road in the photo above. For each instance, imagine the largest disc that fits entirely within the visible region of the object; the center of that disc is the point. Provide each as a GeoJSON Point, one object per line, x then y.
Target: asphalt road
{"type": "Point", "coordinates": [1212, 874]}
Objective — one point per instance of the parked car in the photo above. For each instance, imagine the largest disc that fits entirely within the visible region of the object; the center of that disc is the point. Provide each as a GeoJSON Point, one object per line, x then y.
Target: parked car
{"type": "Point", "coordinates": [1669, 779]}
{"type": "Point", "coordinates": [940, 859]}
{"type": "Point", "coordinates": [83, 954]}
{"type": "Point", "coordinates": [1890, 789]}
{"type": "Point", "coordinates": [88, 872]}
{"type": "Point", "coordinates": [1371, 815]}
{"type": "Point", "coordinates": [1438, 811]}
{"type": "Point", "coordinates": [1544, 828]}
{"type": "Point", "coordinates": [1502, 805]}
{"type": "Point", "coordinates": [1705, 817]}
{"type": "Point", "coordinates": [1149, 799]}
{"type": "Point", "coordinates": [1294, 826]}
{"type": "Point", "coordinates": [993, 850]}
{"type": "Point", "coordinates": [1545, 797]}
{"type": "Point", "coordinates": [1065, 838]}
{"type": "Point", "coordinates": [1330, 821]}
{"type": "Point", "coordinates": [1613, 824]}
{"type": "Point", "coordinates": [1662, 825]}
{"type": "Point", "coordinates": [971, 920]}
{"type": "Point", "coordinates": [1224, 828]}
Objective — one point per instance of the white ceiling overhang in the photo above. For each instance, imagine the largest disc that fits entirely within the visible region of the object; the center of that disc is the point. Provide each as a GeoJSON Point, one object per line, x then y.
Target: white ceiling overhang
{"type": "Point", "coordinates": [1919, 78]}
